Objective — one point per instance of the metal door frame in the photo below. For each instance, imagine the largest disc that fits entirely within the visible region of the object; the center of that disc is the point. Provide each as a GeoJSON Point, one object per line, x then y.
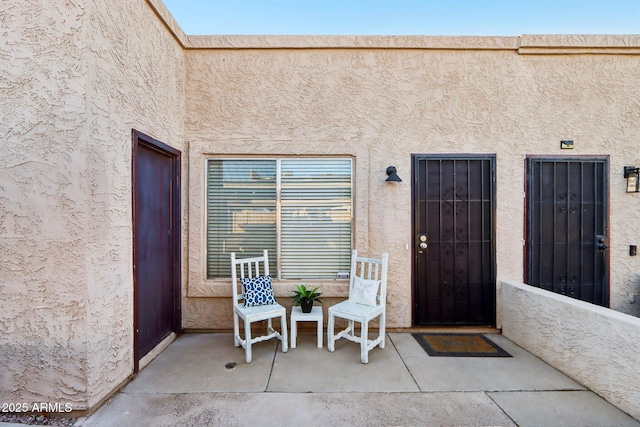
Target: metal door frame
{"type": "Point", "coordinates": [139, 139]}
{"type": "Point", "coordinates": [415, 158]}
{"type": "Point", "coordinates": [605, 159]}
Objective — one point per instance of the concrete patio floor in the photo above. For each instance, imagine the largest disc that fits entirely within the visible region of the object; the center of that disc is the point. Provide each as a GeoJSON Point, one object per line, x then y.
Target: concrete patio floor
{"type": "Point", "coordinates": [193, 383]}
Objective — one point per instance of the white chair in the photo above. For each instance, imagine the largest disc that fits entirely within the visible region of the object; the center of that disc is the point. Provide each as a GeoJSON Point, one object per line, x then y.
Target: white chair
{"type": "Point", "coordinates": [367, 301]}
{"type": "Point", "coordinates": [252, 268]}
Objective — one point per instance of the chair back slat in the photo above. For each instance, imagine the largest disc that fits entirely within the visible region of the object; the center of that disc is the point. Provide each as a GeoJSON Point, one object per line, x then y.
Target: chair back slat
{"type": "Point", "coordinates": [370, 269]}
{"type": "Point", "coordinates": [246, 268]}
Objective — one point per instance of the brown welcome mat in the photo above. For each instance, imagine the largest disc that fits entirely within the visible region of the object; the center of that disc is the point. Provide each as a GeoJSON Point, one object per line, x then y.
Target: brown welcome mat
{"type": "Point", "coordinates": [459, 345]}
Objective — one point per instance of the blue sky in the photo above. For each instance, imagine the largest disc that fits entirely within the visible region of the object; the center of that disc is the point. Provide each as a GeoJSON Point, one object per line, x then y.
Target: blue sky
{"type": "Point", "coordinates": [406, 17]}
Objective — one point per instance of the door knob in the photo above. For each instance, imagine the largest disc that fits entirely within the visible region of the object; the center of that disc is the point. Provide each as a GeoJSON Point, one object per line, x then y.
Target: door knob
{"type": "Point", "coordinates": [422, 243]}
{"type": "Point", "coordinates": [602, 245]}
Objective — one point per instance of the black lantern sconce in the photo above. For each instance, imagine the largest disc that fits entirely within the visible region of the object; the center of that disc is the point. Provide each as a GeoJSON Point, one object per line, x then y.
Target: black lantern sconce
{"type": "Point", "coordinates": [393, 176]}
{"type": "Point", "coordinates": [633, 183]}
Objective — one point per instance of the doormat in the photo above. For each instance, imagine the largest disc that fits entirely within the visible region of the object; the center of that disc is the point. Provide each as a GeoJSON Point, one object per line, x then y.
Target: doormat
{"type": "Point", "coordinates": [459, 345]}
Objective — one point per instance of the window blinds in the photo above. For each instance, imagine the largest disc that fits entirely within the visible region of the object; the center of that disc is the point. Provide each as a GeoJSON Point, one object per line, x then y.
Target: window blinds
{"type": "Point", "coordinates": [315, 218]}
{"type": "Point", "coordinates": [297, 209]}
{"type": "Point", "coordinates": [241, 205]}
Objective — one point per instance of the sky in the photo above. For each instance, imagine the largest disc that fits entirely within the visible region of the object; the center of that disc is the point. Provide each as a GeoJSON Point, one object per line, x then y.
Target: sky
{"type": "Point", "coordinates": [406, 17]}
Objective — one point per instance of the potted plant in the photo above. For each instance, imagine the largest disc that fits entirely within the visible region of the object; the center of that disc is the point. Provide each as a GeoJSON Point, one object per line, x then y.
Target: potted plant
{"type": "Point", "coordinates": [304, 297]}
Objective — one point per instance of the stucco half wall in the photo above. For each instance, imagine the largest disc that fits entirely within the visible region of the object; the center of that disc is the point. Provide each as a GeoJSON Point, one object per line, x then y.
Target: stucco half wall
{"type": "Point", "coordinates": [596, 346]}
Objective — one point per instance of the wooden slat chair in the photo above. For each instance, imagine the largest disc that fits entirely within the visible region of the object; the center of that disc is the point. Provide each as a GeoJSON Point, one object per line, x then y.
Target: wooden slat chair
{"type": "Point", "coordinates": [251, 268]}
{"type": "Point", "coordinates": [367, 301]}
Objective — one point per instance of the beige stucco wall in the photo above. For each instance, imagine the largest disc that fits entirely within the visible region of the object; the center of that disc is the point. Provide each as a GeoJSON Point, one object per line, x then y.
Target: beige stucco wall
{"type": "Point", "coordinates": [43, 126]}
{"type": "Point", "coordinates": [136, 82]}
{"type": "Point", "coordinates": [382, 99]}
{"type": "Point", "coordinates": [76, 77]}
{"type": "Point", "coordinates": [597, 347]}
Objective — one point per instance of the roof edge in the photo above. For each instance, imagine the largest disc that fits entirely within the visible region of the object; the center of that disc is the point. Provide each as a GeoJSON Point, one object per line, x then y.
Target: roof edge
{"type": "Point", "coordinates": [567, 44]}
{"type": "Point", "coordinates": [352, 42]}
{"type": "Point", "coordinates": [532, 44]}
{"type": "Point", "coordinates": [169, 22]}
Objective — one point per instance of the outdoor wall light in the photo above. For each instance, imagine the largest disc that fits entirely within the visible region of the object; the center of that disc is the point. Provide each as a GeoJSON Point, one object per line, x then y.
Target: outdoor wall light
{"type": "Point", "coordinates": [631, 174]}
{"type": "Point", "coordinates": [393, 177]}
{"type": "Point", "coordinates": [566, 144]}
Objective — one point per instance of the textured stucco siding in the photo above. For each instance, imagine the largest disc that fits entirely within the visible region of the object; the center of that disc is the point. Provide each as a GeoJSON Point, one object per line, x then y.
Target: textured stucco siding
{"type": "Point", "coordinates": [447, 95]}
{"type": "Point", "coordinates": [599, 348]}
{"type": "Point", "coordinates": [136, 82]}
{"type": "Point", "coordinates": [75, 78]}
{"type": "Point", "coordinates": [43, 201]}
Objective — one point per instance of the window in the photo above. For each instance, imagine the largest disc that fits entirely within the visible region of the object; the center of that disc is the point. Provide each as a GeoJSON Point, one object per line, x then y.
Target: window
{"type": "Point", "coordinates": [297, 209]}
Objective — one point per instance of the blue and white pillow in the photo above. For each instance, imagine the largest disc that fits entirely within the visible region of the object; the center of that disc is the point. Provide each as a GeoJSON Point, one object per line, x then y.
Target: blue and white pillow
{"type": "Point", "coordinates": [258, 291]}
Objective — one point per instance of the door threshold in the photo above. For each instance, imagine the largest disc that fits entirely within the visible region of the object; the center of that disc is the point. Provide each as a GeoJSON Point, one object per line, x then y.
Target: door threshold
{"type": "Point", "coordinates": [154, 352]}
{"type": "Point", "coordinates": [449, 329]}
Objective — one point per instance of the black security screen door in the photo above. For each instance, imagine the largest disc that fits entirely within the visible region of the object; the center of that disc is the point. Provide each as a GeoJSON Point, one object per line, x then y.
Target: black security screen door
{"type": "Point", "coordinates": [567, 231]}
{"type": "Point", "coordinates": [454, 234]}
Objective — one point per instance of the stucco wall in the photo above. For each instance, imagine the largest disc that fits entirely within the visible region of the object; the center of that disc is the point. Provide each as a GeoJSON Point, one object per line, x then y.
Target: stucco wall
{"type": "Point", "coordinates": [76, 77]}
{"type": "Point", "coordinates": [381, 99]}
{"type": "Point", "coordinates": [597, 347]}
{"type": "Point", "coordinates": [136, 81]}
{"type": "Point", "coordinates": [43, 125]}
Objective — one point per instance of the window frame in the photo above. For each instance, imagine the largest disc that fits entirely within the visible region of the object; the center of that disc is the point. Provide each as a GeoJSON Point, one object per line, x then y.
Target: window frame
{"type": "Point", "coordinates": [278, 207]}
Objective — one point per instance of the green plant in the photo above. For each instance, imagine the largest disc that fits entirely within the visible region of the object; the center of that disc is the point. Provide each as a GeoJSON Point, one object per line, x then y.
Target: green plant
{"type": "Point", "coordinates": [303, 294]}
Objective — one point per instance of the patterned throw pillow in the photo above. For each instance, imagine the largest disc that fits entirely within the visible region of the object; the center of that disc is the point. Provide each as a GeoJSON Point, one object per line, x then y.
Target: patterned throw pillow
{"type": "Point", "coordinates": [364, 291]}
{"type": "Point", "coordinates": [258, 291]}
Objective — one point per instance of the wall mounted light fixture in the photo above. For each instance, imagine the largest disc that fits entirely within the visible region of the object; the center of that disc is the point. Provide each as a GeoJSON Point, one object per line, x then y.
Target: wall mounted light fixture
{"type": "Point", "coordinates": [633, 183]}
{"type": "Point", "coordinates": [566, 144]}
{"type": "Point", "coordinates": [393, 176]}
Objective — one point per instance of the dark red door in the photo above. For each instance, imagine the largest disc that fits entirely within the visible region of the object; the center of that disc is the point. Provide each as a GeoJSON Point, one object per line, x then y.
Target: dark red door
{"type": "Point", "coordinates": [156, 213]}
{"type": "Point", "coordinates": [454, 234]}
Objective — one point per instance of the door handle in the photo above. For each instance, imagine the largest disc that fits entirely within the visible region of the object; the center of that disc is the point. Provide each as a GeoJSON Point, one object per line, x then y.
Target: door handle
{"type": "Point", "coordinates": [422, 245]}
{"type": "Point", "coordinates": [602, 243]}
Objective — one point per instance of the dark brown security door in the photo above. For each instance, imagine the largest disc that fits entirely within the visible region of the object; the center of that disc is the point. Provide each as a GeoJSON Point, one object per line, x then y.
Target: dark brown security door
{"type": "Point", "coordinates": [567, 231]}
{"type": "Point", "coordinates": [156, 218]}
{"type": "Point", "coordinates": [454, 263]}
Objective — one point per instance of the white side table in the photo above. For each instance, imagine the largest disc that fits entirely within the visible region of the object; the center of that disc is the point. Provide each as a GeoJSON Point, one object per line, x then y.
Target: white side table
{"type": "Point", "coordinates": [298, 316]}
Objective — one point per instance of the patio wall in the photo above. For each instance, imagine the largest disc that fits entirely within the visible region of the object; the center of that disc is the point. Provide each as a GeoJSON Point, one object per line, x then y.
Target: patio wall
{"type": "Point", "coordinates": [596, 346]}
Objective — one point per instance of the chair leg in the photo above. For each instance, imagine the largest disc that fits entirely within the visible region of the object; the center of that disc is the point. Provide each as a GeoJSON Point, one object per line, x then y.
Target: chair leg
{"type": "Point", "coordinates": [285, 337]}
{"type": "Point", "coordinates": [236, 330]}
{"type": "Point", "coordinates": [247, 338]}
{"type": "Point", "coordinates": [364, 338]}
{"type": "Point", "coordinates": [383, 334]}
{"type": "Point", "coordinates": [330, 337]}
